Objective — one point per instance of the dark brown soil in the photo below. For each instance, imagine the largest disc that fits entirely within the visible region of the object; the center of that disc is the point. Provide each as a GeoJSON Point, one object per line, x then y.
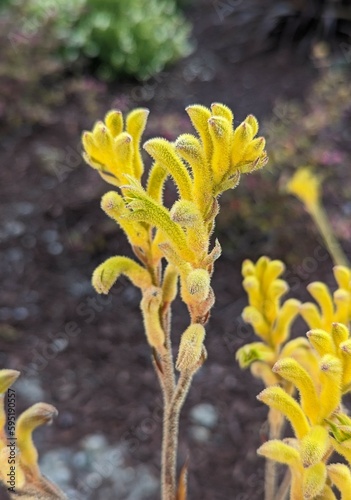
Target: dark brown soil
{"type": "Point", "coordinates": [55, 235]}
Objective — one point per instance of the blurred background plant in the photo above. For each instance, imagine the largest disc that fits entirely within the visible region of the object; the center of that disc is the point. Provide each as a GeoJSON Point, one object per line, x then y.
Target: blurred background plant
{"type": "Point", "coordinates": [137, 39]}
{"type": "Point", "coordinates": [49, 49]}
{"type": "Point", "coordinates": [115, 39]}
{"type": "Point", "coordinates": [34, 79]}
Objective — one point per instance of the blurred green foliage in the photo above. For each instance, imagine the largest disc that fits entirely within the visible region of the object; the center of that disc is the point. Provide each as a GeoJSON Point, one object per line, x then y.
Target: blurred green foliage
{"type": "Point", "coordinates": [119, 38]}
{"type": "Point", "coordinates": [33, 80]}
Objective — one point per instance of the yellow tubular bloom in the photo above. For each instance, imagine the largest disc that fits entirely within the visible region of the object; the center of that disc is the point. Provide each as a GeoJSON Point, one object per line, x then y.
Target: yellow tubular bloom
{"type": "Point", "coordinates": [314, 480]}
{"type": "Point", "coordinates": [270, 318]}
{"type": "Point", "coordinates": [291, 370]}
{"type": "Point", "coordinates": [150, 307]}
{"type": "Point", "coordinates": [108, 272]}
{"type": "Point", "coordinates": [191, 347]}
{"type": "Point", "coordinates": [36, 415]}
{"type": "Point", "coordinates": [305, 185]}
{"type": "Point", "coordinates": [314, 446]}
{"type": "Point", "coordinates": [276, 397]}
{"type": "Point", "coordinates": [331, 379]}
{"type": "Point", "coordinates": [114, 152]}
{"type": "Point", "coordinates": [340, 475]}
{"type": "Point", "coordinates": [280, 452]}
{"type": "Point", "coordinates": [201, 169]}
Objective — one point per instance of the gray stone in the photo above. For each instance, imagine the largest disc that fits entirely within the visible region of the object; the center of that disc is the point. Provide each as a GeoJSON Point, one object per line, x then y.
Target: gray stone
{"type": "Point", "coordinates": [30, 389]}
{"type": "Point", "coordinates": [204, 414]}
{"type": "Point", "coordinates": [95, 442]}
{"type": "Point", "coordinates": [199, 433]}
{"type": "Point", "coordinates": [55, 465]}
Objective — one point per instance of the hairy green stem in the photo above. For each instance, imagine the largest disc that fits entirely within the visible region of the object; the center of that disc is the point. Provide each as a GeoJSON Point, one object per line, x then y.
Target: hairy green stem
{"type": "Point", "coordinates": [170, 436]}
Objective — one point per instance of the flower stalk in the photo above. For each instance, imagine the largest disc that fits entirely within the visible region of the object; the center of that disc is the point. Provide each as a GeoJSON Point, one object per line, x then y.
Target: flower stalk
{"type": "Point", "coordinates": [172, 245]}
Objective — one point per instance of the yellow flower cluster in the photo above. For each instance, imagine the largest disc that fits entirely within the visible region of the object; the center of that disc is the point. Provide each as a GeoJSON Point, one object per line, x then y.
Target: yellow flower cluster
{"type": "Point", "coordinates": [19, 470]}
{"type": "Point", "coordinates": [332, 308]}
{"type": "Point", "coordinates": [318, 420]}
{"type": "Point", "coordinates": [270, 318]}
{"type": "Point", "coordinates": [201, 167]}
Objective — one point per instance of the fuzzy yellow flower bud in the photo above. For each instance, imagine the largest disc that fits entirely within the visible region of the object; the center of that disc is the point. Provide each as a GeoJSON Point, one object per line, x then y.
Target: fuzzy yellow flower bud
{"type": "Point", "coordinates": [248, 268]}
{"type": "Point", "coordinates": [305, 185]}
{"type": "Point", "coordinates": [220, 130]}
{"type": "Point", "coordinates": [106, 275]}
{"type": "Point", "coordinates": [114, 206]}
{"type": "Point", "coordinates": [191, 347]}
{"type": "Point", "coordinates": [198, 284]}
{"type": "Point", "coordinates": [135, 126]}
{"type": "Point", "coordinates": [343, 276]}
{"type": "Point", "coordinates": [155, 182]}
{"type": "Point", "coordinates": [311, 315]}
{"type": "Point", "coordinates": [275, 291]}
{"type": "Point", "coordinates": [253, 316]}
{"type": "Point", "coordinates": [276, 397]}
{"type": "Point", "coordinates": [321, 341]}
{"type": "Point", "coordinates": [114, 152]}
{"type": "Point", "coordinates": [261, 267]}
{"type": "Point", "coordinates": [190, 149]}
{"type": "Point", "coordinates": [345, 348]}
{"type": "Point", "coordinates": [331, 380]}
{"type": "Point", "coordinates": [253, 122]}
{"type": "Point", "coordinates": [314, 446]}
{"type": "Point", "coordinates": [150, 307]}
{"type": "Point", "coordinates": [320, 292]}
{"type": "Point", "coordinates": [339, 333]}
{"type": "Point", "coordinates": [291, 370]}
{"type": "Point", "coordinates": [199, 116]}
{"type": "Point", "coordinates": [36, 415]}
{"type": "Point", "coordinates": [273, 270]}
{"type": "Point", "coordinates": [314, 480]}
{"type": "Point", "coordinates": [7, 378]}
{"type": "Point", "coordinates": [344, 451]}
{"type": "Point", "coordinates": [279, 452]}
{"type": "Point", "coordinates": [340, 475]}
{"type": "Point", "coordinates": [165, 154]}
{"type": "Point", "coordinates": [222, 110]}
{"type": "Point", "coordinates": [123, 148]}
{"type": "Point", "coordinates": [114, 122]}
{"type": "Point", "coordinates": [251, 286]}
{"type": "Point", "coordinates": [185, 213]}
{"type": "Point", "coordinates": [343, 306]}
{"type": "Point", "coordinates": [286, 315]}
{"type": "Point", "coordinates": [170, 284]}
{"type": "Point", "coordinates": [243, 134]}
